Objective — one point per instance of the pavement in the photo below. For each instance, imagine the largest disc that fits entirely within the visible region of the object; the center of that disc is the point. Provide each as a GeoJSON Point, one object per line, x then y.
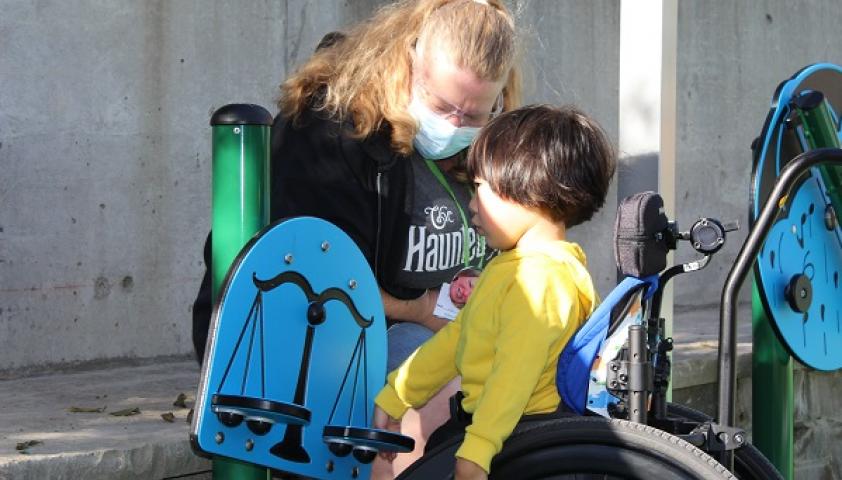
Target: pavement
{"type": "Point", "coordinates": [100, 445]}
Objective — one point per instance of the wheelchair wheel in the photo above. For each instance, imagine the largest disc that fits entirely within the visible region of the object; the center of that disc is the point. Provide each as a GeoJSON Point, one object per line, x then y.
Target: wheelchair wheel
{"type": "Point", "coordinates": [749, 463]}
{"type": "Point", "coordinates": [582, 448]}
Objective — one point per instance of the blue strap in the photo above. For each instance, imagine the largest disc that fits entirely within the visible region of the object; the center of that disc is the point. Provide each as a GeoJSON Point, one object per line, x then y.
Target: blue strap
{"type": "Point", "coordinates": [575, 361]}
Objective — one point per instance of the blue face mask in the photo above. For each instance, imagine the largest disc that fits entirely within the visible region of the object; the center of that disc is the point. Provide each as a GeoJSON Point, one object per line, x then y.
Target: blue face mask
{"type": "Point", "coordinates": [437, 138]}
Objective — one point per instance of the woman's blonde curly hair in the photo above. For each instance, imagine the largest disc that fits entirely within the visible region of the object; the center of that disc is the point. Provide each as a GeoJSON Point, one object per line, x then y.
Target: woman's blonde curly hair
{"type": "Point", "coordinates": [368, 74]}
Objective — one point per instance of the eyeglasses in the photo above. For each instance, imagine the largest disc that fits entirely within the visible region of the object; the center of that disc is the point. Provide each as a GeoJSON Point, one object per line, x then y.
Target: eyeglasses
{"type": "Point", "coordinates": [447, 110]}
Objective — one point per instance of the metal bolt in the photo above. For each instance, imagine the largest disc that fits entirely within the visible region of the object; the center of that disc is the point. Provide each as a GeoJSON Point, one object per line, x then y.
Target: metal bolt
{"type": "Point", "coordinates": [723, 437]}
{"type": "Point", "coordinates": [803, 293]}
{"type": "Point", "coordinates": [329, 466]}
{"type": "Point", "coordinates": [614, 366]}
{"type": "Point", "coordinates": [830, 218]}
{"type": "Point", "coordinates": [623, 377]}
{"type": "Point", "coordinates": [249, 445]}
{"type": "Point", "coordinates": [236, 129]}
{"type": "Point", "coordinates": [288, 258]}
{"type": "Point", "coordinates": [738, 437]}
{"type": "Point", "coordinates": [325, 246]}
{"type": "Point", "coordinates": [704, 223]}
{"type": "Point", "coordinates": [697, 245]}
{"type": "Point", "coordinates": [613, 383]}
{"type": "Point", "coordinates": [355, 472]}
{"type": "Point", "coordinates": [352, 284]}
{"type": "Point", "coordinates": [219, 438]}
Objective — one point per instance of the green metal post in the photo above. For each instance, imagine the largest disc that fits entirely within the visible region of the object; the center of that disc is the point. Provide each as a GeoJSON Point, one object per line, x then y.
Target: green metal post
{"type": "Point", "coordinates": [240, 209]}
{"type": "Point", "coordinates": [772, 394]}
{"type": "Point", "coordinates": [772, 383]}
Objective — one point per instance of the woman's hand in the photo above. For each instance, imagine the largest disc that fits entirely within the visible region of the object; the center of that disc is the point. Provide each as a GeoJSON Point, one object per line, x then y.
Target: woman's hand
{"type": "Point", "coordinates": [429, 320]}
{"type": "Point", "coordinates": [468, 470]}
{"type": "Point", "coordinates": [383, 421]}
{"type": "Point", "coordinates": [419, 310]}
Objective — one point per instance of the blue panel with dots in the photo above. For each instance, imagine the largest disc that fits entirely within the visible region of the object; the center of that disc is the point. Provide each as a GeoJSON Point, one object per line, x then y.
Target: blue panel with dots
{"type": "Point", "coordinates": [798, 270]}
{"type": "Point", "coordinates": [800, 265]}
{"type": "Point", "coordinates": [297, 344]}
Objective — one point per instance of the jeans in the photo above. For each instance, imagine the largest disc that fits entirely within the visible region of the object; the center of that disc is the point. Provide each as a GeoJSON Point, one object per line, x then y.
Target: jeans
{"type": "Point", "coordinates": [403, 339]}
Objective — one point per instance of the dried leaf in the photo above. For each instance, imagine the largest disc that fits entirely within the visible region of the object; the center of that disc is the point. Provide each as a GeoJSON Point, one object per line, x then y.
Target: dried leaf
{"type": "Point", "coordinates": [126, 412]}
{"type": "Point", "coordinates": [86, 409]}
{"type": "Point", "coordinates": [168, 417]}
{"type": "Point", "coordinates": [190, 416]}
{"type": "Point", "coordinates": [22, 446]}
{"type": "Point", "coordinates": [179, 401]}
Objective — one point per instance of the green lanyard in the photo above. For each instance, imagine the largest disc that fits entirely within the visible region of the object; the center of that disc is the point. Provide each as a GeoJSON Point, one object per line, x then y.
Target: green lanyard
{"type": "Point", "coordinates": [444, 183]}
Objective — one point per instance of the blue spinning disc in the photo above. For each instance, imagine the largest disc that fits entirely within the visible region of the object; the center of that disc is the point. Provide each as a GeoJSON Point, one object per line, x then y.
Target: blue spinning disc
{"type": "Point", "coordinates": [297, 343]}
{"type": "Point", "coordinates": [798, 270]}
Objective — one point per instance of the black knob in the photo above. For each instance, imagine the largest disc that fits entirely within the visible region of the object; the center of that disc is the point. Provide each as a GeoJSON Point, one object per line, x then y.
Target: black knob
{"type": "Point", "coordinates": [365, 455]}
{"type": "Point", "coordinates": [259, 427]}
{"type": "Point", "coordinates": [316, 314]}
{"type": "Point", "coordinates": [799, 293]}
{"type": "Point", "coordinates": [229, 419]}
{"type": "Point", "coordinates": [340, 449]}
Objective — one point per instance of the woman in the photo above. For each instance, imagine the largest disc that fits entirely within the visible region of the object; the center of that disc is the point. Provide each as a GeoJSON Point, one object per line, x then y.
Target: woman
{"type": "Point", "coordinates": [416, 80]}
{"type": "Point", "coordinates": [371, 137]}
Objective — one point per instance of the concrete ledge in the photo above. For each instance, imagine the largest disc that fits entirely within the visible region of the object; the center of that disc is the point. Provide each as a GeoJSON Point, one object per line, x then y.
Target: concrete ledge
{"type": "Point", "coordinates": [99, 445]}
{"type": "Point", "coordinates": [695, 363]}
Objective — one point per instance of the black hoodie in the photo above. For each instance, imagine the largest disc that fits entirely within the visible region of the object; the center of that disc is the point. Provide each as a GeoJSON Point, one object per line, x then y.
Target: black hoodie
{"type": "Point", "coordinates": [319, 169]}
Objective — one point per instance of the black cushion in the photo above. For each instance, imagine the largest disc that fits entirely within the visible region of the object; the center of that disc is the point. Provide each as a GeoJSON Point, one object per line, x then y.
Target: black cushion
{"type": "Point", "coordinates": [640, 248]}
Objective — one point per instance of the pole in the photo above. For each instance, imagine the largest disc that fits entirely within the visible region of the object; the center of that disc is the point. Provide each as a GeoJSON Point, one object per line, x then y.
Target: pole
{"type": "Point", "coordinates": [772, 393]}
{"type": "Point", "coordinates": [240, 209]}
{"type": "Point", "coordinates": [772, 366]}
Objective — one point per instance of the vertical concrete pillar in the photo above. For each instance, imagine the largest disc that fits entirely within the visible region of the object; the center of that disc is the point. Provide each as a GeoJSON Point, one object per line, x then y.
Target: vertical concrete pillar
{"type": "Point", "coordinates": [648, 50]}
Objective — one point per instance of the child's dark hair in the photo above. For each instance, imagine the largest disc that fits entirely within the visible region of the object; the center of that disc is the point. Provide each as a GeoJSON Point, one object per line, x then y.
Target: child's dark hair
{"type": "Point", "coordinates": [553, 158]}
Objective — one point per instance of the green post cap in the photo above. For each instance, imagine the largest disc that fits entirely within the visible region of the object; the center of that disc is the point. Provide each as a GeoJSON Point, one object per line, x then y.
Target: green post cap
{"type": "Point", "coordinates": [241, 114]}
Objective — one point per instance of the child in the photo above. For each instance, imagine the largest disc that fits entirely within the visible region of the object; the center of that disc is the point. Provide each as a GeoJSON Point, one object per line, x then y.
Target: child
{"type": "Point", "coordinates": [538, 170]}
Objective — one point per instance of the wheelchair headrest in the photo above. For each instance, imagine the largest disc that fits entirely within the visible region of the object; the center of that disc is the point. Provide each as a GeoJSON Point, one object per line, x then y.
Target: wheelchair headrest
{"type": "Point", "coordinates": [640, 245]}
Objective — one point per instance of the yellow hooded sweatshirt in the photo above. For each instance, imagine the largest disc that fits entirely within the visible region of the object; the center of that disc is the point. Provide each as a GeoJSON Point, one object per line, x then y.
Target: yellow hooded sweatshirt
{"type": "Point", "coordinates": [504, 343]}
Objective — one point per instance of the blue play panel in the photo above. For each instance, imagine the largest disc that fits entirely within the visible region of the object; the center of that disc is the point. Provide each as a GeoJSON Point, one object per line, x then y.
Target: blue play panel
{"type": "Point", "coordinates": [799, 267]}
{"type": "Point", "coordinates": [296, 356]}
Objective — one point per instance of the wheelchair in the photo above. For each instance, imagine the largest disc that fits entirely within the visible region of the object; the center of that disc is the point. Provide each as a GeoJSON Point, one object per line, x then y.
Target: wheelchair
{"type": "Point", "coordinates": [296, 352]}
{"type": "Point", "coordinates": [613, 377]}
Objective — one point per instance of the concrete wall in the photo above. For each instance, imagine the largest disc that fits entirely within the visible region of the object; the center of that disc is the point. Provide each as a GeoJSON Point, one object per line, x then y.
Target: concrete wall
{"type": "Point", "coordinates": [105, 151]}
{"type": "Point", "coordinates": [731, 56]}
{"type": "Point", "coordinates": [104, 147]}
{"type": "Point", "coordinates": [573, 56]}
